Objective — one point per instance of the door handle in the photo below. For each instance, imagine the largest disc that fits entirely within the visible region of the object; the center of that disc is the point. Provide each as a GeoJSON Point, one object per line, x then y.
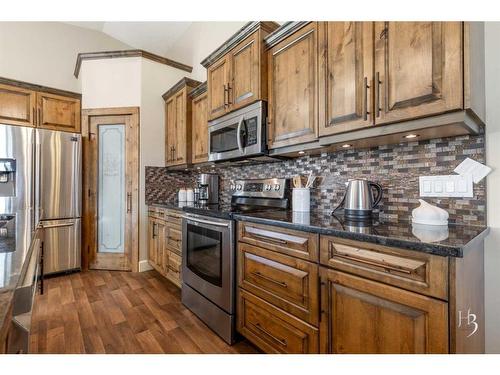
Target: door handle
{"type": "Point", "coordinates": [61, 225]}
{"type": "Point", "coordinates": [225, 91]}
{"type": "Point", "coordinates": [377, 83]}
{"type": "Point", "coordinates": [365, 99]}
{"type": "Point", "coordinates": [229, 88]}
{"type": "Point", "coordinates": [238, 135]}
{"type": "Point", "coordinates": [129, 202]}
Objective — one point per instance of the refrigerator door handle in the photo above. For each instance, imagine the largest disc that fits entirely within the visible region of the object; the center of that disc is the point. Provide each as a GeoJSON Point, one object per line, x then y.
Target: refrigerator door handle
{"type": "Point", "coordinates": [59, 225]}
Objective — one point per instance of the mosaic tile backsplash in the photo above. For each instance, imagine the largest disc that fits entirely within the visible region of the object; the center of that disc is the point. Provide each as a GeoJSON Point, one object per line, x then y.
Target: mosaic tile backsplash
{"type": "Point", "coordinates": [395, 167]}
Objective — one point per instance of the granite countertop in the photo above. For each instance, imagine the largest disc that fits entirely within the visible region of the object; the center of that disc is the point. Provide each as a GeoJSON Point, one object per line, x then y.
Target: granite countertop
{"type": "Point", "coordinates": [448, 241]}
{"type": "Point", "coordinates": [15, 240]}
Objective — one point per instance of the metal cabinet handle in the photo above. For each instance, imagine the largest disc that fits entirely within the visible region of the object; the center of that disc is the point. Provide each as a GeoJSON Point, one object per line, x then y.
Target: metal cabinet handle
{"type": "Point", "coordinates": [129, 202]}
{"type": "Point", "coordinates": [270, 335]}
{"type": "Point", "coordinates": [34, 116]}
{"type": "Point", "coordinates": [280, 283]}
{"type": "Point", "coordinates": [229, 88]}
{"type": "Point", "coordinates": [365, 99]}
{"type": "Point", "coordinates": [39, 122]}
{"type": "Point", "coordinates": [154, 230]}
{"type": "Point", "coordinates": [377, 87]}
{"type": "Point", "coordinates": [225, 91]}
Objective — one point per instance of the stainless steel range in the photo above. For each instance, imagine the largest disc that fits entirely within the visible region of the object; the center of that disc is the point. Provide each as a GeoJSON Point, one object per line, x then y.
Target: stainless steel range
{"type": "Point", "coordinates": [209, 255]}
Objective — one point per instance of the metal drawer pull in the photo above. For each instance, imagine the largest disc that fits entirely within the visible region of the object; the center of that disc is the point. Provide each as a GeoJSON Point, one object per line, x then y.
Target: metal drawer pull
{"type": "Point", "coordinates": [269, 334]}
{"type": "Point", "coordinates": [280, 283]}
{"type": "Point", "coordinates": [278, 240]}
{"type": "Point", "coordinates": [383, 265]}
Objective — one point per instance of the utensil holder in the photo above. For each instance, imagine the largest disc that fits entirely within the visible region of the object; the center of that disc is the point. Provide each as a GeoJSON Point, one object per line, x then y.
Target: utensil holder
{"type": "Point", "coordinates": [301, 200]}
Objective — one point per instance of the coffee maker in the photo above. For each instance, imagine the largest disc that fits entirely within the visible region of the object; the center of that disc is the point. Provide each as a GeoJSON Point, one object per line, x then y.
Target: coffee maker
{"type": "Point", "coordinates": [208, 185]}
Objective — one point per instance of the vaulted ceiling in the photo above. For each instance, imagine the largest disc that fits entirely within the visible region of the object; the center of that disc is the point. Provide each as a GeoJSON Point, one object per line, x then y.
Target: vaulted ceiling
{"type": "Point", "coordinates": [156, 37]}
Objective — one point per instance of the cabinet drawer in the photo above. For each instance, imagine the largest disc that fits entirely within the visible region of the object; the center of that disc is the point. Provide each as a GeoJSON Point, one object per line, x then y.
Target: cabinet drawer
{"type": "Point", "coordinates": [273, 330]}
{"type": "Point", "coordinates": [287, 241]}
{"type": "Point", "coordinates": [156, 212]}
{"type": "Point", "coordinates": [174, 239]}
{"type": "Point", "coordinates": [174, 262]}
{"type": "Point", "coordinates": [412, 270]}
{"type": "Point", "coordinates": [173, 218]}
{"type": "Point", "coordinates": [284, 281]}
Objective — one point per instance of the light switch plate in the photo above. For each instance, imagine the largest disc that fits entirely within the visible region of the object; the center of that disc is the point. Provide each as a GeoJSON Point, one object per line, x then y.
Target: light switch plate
{"type": "Point", "coordinates": [446, 186]}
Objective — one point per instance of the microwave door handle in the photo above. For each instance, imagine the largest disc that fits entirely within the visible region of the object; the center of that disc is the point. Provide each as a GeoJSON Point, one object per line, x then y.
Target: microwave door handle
{"type": "Point", "coordinates": [238, 135]}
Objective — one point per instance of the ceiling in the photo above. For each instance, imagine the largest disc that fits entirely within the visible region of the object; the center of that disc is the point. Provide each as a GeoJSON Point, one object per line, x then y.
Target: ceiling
{"type": "Point", "coordinates": [155, 37]}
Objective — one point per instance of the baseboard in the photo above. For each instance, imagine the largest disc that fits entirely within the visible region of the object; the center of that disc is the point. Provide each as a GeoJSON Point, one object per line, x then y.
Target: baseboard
{"type": "Point", "coordinates": [144, 266]}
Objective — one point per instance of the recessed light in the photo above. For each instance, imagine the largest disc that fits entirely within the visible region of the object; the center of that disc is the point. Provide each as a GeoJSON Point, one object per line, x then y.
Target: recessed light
{"type": "Point", "coordinates": [198, 168]}
{"type": "Point", "coordinates": [347, 145]}
{"type": "Point", "coordinates": [302, 152]}
{"type": "Point", "coordinates": [409, 136]}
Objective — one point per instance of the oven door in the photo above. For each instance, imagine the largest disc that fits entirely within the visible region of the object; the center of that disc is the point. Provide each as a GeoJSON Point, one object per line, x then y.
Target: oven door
{"type": "Point", "coordinates": [239, 134]}
{"type": "Point", "coordinates": [208, 259]}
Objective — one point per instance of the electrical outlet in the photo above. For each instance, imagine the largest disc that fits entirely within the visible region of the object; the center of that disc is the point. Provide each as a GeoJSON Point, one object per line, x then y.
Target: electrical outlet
{"type": "Point", "coordinates": [446, 186]}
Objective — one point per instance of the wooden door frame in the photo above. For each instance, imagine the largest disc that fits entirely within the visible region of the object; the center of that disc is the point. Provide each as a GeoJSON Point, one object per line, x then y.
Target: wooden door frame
{"type": "Point", "coordinates": [87, 115]}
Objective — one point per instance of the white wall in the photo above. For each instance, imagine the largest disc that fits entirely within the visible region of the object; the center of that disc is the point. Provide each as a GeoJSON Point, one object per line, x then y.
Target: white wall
{"type": "Point", "coordinates": [45, 52]}
{"type": "Point", "coordinates": [111, 83]}
{"type": "Point", "coordinates": [199, 41]}
{"type": "Point", "coordinates": [492, 255]}
{"type": "Point", "coordinates": [156, 79]}
{"type": "Point", "coordinates": [134, 82]}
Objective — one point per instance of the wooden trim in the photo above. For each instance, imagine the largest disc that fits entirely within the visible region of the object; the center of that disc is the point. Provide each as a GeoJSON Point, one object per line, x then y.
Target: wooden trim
{"type": "Point", "coordinates": [180, 85]}
{"type": "Point", "coordinates": [200, 89]}
{"type": "Point", "coordinates": [128, 53]}
{"type": "Point", "coordinates": [284, 31]}
{"type": "Point", "coordinates": [87, 115]}
{"type": "Point", "coordinates": [236, 38]}
{"type": "Point", "coordinates": [35, 87]}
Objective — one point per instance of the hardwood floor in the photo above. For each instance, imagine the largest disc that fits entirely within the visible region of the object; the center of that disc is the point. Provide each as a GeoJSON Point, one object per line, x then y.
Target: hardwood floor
{"type": "Point", "coordinates": [119, 312]}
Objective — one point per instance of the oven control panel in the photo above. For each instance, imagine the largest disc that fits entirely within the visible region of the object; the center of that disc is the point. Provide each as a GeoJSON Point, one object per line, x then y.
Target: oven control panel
{"type": "Point", "coordinates": [263, 188]}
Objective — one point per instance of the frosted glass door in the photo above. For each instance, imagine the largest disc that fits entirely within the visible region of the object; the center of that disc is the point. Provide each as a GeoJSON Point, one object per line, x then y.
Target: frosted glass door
{"type": "Point", "coordinates": [111, 189]}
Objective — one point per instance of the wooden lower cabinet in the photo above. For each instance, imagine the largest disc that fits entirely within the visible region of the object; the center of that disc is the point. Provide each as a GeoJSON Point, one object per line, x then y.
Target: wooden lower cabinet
{"type": "Point", "coordinates": [164, 244]}
{"type": "Point", "coordinates": [364, 316]}
{"type": "Point", "coordinates": [272, 329]}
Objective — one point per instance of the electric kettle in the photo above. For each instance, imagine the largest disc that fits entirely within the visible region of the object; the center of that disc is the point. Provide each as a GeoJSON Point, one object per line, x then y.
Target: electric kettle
{"type": "Point", "coordinates": [359, 199]}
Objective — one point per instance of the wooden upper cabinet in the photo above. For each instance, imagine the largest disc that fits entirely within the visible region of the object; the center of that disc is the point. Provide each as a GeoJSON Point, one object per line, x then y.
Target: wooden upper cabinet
{"type": "Point", "coordinates": [293, 88]}
{"type": "Point", "coordinates": [218, 80]}
{"type": "Point", "coordinates": [170, 130]}
{"type": "Point", "coordinates": [367, 317]}
{"type": "Point", "coordinates": [345, 76]}
{"type": "Point", "coordinates": [57, 112]}
{"type": "Point", "coordinates": [178, 120]}
{"type": "Point", "coordinates": [236, 71]}
{"type": "Point", "coordinates": [418, 69]}
{"type": "Point", "coordinates": [200, 128]}
{"type": "Point", "coordinates": [244, 87]}
{"type": "Point", "coordinates": [17, 106]}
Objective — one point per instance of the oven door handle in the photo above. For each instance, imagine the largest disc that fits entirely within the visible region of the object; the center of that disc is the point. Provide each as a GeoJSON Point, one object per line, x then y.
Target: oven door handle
{"type": "Point", "coordinates": [201, 221]}
{"type": "Point", "coordinates": [238, 135]}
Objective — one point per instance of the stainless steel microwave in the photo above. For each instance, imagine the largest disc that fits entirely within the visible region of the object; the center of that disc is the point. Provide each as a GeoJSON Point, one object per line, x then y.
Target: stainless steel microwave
{"type": "Point", "coordinates": [238, 135]}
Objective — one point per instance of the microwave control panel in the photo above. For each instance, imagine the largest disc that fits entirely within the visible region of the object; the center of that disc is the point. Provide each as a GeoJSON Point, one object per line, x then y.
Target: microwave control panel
{"type": "Point", "coordinates": [251, 125]}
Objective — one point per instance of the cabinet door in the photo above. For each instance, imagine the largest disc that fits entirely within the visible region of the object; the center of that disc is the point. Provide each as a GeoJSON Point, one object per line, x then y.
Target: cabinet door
{"type": "Point", "coordinates": [170, 131]}
{"type": "Point", "coordinates": [17, 106]}
{"type": "Point", "coordinates": [346, 71]}
{"type": "Point", "coordinates": [217, 86]}
{"type": "Point", "coordinates": [152, 241]}
{"type": "Point", "coordinates": [418, 69]}
{"type": "Point", "coordinates": [293, 89]}
{"type": "Point", "coordinates": [200, 129]}
{"type": "Point", "coordinates": [56, 112]}
{"type": "Point", "coordinates": [161, 262]}
{"type": "Point", "coordinates": [180, 128]}
{"type": "Point", "coordinates": [244, 87]}
{"type": "Point", "coordinates": [363, 316]}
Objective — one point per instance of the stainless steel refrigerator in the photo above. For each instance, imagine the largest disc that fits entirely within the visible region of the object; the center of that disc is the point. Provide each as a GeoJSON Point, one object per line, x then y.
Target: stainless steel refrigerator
{"type": "Point", "coordinates": [58, 197]}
